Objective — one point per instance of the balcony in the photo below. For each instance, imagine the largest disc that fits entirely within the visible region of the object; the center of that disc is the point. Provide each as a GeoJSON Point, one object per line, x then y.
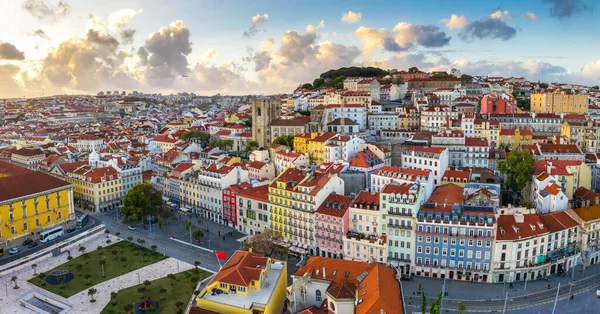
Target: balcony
{"type": "Point", "coordinates": [399, 214]}
{"type": "Point", "coordinates": [396, 226]}
{"type": "Point", "coordinates": [398, 259]}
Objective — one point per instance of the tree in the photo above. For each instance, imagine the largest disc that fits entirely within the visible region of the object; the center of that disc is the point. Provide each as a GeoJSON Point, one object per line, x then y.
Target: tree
{"type": "Point", "coordinates": [436, 306]}
{"type": "Point", "coordinates": [252, 145]}
{"type": "Point", "coordinates": [543, 85]}
{"type": "Point", "coordinates": [147, 283]}
{"type": "Point", "coordinates": [595, 87]}
{"type": "Point", "coordinates": [526, 203]}
{"type": "Point", "coordinates": [423, 302]}
{"type": "Point", "coordinates": [197, 263]}
{"type": "Point", "coordinates": [287, 140]}
{"type": "Point", "coordinates": [354, 71]}
{"type": "Point", "coordinates": [517, 169]}
{"type": "Point", "coordinates": [465, 78]}
{"type": "Point", "coordinates": [14, 280]}
{"type": "Point", "coordinates": [91, 293]}
{"type": "Point", "coordinates": [197, 235]}
{"type": "Point", "coordinates": [82, 249]}
{"type": "Point", "coordinates": [141, 200]}
{"type": "Point", "coordinates": [306, 86]}
{"type": "Point", "coordinates": [107, 232]}
{"type": "Point", "coordinates": [200, 136]}
{"type": "Point", "coordinates": [172, 278]}
{"type": "Point", "coordinates": [266, 243]}
{"type": "Point", "coordinates": [102, 263]}
{"type": "Point", "coordinates": [153, 247]}
{"type": "Point", "coordinates": [113, 298]}
{"type": "Point", "coordinates": [461, 308]}
{"type": "Point", "coordinates": [179, 304]}
{"type": "Point", "coordinates": [441, 75]}
{"type": "Point", "coordinates": [413, 70]}
{"type": "Point", "coordinates": [318, 83]}
{"type": "Point", "coordinates": [162, 292]}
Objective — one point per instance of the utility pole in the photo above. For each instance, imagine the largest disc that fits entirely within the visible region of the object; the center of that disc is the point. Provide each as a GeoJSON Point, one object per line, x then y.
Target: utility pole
{"type": "Point", "coordinates": [556, 298]}
{"type": "Point", "coordinates": [505, 300]}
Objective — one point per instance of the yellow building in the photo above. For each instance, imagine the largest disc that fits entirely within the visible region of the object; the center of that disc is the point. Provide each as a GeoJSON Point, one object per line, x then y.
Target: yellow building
{"type": "Point", "coordinates": [248, 283]}
{"type": "Point", "coordinates": [585, 135]}
{"type": "Point", "coordinates": [559, 102]}
{"type": "Point", "coordinates": [94, 188]}
{"type": "Point", "coordinates": [31, 202]}
{"type": "Point", "coordinates": [301, 142]}
{"type": "Point", "coordinates": [316, 147]}
{"type": "Point", "coordinates": [490, 129]}
{"type": "Point", "coordinates": [281, 190]}
{"type": "Point", "coordinates": [510, 138]}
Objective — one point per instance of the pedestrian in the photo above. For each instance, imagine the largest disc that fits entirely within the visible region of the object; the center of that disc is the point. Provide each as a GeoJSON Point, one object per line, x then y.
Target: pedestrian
{"type": "Point", "coordinates": [69, 253]}
{"type": "Point", "coordinates": [548, 286]}
{"type": "Point", "coordinates": [220, 234]}
{"type": "Point", "coordinates": [572, 297]}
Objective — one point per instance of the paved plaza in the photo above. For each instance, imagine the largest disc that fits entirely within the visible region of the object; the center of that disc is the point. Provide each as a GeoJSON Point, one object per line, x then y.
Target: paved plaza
{"type": "Point", "coordinates": [81, 301]}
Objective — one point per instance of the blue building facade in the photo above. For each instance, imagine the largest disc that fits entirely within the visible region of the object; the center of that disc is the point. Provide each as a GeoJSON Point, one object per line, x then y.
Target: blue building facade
{"type": "Point", "coordinates": [455, 234]}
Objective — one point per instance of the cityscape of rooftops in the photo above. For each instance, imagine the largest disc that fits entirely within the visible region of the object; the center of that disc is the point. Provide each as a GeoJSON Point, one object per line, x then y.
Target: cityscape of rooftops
{"type": "Point", "coordinates": [314, 157]}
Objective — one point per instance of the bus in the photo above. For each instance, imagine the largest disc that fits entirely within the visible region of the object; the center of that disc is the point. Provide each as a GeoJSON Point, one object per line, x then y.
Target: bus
{"type": "Point", "coordinates": [81, 221]}
{"type": "Point", "coordinates": [51, 234]}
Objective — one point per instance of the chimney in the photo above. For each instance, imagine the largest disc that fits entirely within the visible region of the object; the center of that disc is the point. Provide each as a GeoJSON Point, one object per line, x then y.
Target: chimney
{"type": "Point", "coordinates": [324, 273]}
{"type": "Point", "coordinates": [519, 217]}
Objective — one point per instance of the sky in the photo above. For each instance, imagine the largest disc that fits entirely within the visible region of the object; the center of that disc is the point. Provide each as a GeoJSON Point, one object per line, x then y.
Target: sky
{"type": "Point", "coordinates": [50, 47]}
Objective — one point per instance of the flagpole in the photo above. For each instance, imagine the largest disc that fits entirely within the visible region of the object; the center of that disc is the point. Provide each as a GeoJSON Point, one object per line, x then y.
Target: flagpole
{"type": "Point", "coordinates": [218, 260]}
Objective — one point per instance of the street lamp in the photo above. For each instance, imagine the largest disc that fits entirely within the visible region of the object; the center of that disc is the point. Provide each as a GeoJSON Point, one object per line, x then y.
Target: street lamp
{"type": "Point", "coordinates": [570, 288]}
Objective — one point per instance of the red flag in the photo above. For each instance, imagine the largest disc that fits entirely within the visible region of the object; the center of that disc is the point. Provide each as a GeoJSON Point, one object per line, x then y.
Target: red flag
{"type": "Point", "coordinates": [221, 255]}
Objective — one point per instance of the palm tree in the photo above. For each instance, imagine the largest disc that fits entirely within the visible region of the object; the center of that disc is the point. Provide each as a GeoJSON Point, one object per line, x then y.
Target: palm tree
{"type": "Point", "coordinates": [153, 247]}
{"type": "Point", "coordinates": [82, 249]}
{"type": "Point", "coordinates": [197, 263]}
{"type": "Point", "coordinates": [461, 308]}
{"type": "Point", "coordinates": [106, 232]}
{"type": "Point", "coordinates": [34, 266]}
{"type": "Point", "coordinates": [172, 278]}
{"type": "Point", "coordinates": [102, 263]}
{"type": "Point", "coordinates": [91, 293]}
{"type": "Point", "coordinates": [14, 279]}
{"type": "Point", "coordinates": [162, 292]}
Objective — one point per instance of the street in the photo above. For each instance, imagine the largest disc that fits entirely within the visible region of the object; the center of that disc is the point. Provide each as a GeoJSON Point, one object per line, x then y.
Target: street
{"type": "Point", "coordinates": [24, 250]}
{"type": "Point", "coordinates": [216, 237]}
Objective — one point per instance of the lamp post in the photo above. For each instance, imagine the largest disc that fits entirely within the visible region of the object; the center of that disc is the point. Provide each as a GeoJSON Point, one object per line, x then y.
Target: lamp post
{"type": "Point", "coordinates": [505, 300]}
{"type": "Point", "coordinates": [556, 298]}
{"type": "Point", "coordinates": [570, 288]}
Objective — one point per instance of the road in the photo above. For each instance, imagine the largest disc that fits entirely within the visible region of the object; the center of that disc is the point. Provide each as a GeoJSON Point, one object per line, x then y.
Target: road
{"type": "Point", "coordinates": [7, 258]}
{"type": "Point", "coordinates": [216, 237]}
{"type": "Point", "coordinates": [514, 302]}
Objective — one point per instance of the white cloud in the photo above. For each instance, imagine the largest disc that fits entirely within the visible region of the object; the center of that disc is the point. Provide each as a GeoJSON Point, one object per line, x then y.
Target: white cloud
{"type": "Point", "coordinates": [500, 15]}
{"type": "Point", "coordinates": [312, 29]}
{"type": "Point", "coordinates": [352, 17]}
{"type": "Point", "coordinates": [117, 20]}
{"type": "Point", "coordinates": [455, 21]}
{"type": "Point", "coordinates": [256, 21]}
{"type": "Point", "coordinates": [371, 38]}
{"type": "Point", "coordinates": [210, 54]}
{"type": "Point", "coordinates": [529, 16]}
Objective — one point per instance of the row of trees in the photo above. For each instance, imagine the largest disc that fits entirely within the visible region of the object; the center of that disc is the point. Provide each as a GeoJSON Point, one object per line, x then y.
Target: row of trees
{"type": "Point", "coordinates": [287, 140]}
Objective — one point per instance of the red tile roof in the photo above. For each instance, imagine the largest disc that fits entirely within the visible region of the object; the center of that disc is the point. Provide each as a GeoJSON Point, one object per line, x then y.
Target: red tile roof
{"type": "Point", "coordinates": [28, 183]}
{"type": "Point", "coordinates": [366, 198]}
{"type": "Point", "coordinates": [335, 205]}
{"type": "Point", "coordinates": [241, 269]}
{"type": "Point", "coordinates": [510, 229]}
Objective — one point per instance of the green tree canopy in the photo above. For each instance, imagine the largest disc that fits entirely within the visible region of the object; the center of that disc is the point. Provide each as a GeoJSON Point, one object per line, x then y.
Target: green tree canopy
{"type": "Point", "coordinates": [595, 87]}
{"type": "Point", "coordinates": [287, 140]}
{"type": "Point", "coordinates": [307, 86]}
{"type": "Point", "coordinates": [465, 78]}
{"type": "Point", "coordinates": [252, 145]}
{"type": "Point", "coordinates": [318, 83]}
{"type": "Point", "coordinates": [203, 137]}
{"type": "Point", "coordinates": [517, 169]}
{"type": "Point", "coordinates": [354, 71]}
{"type": "Point", "coordinates": [413, 70]}
{"type": "Point", "coordinates": [441, 75]}
{"type": "Point", "coordinates": [141, 200]}
{"type": "Point", "coordinates": [225, 144]}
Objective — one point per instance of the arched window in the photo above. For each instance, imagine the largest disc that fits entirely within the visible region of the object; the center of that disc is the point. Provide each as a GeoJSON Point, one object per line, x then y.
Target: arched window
{"type": "Point", "coordinates": [318, 294]}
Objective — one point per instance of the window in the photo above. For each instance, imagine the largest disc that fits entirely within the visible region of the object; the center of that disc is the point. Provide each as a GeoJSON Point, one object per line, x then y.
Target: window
{"type": "Point", "coordinates": [223, 285]}
{"type": "Point", "coordinates": [318, 295]}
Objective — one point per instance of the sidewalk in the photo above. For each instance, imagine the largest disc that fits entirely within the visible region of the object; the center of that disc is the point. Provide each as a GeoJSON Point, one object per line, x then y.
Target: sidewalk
{"type": "Point", "coordinates": [463, 290]}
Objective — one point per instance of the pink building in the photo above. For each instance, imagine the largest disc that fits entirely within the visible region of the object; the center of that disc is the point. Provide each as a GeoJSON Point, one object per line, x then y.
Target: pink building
{"type": "Point", "coordinates": [494, 103]}
{"type": "Point", "coordinates": [331, 225]}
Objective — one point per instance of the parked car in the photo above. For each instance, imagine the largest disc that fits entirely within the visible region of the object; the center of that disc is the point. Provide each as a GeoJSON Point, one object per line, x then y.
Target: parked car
{"type": "Point", "coordinates": [14, 250]}
{"type": "Point", "coordinates": [71, 229]}
{"type": "Point", "coordinates": [27, 242]}
{"type": "Point", "coordinates": [33, 244]}
{"type": "Point", "coordinates": [130, 227]}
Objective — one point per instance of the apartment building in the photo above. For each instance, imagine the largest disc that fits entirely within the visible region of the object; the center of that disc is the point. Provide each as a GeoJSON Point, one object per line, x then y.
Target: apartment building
{"type": "Point", "coordinates": [31, 202]}
{"type": "Point", "coordinates": [588, 219]}
{"type": "Point", "coordinates": [531, 246]}
{"type": "Point", "coordinates": [399, 206]}
{"type": "Point", "coordinates": [248, 283]}
{"type": "Point", "coordinates": [28, 157]}
{"type": "Point", "coordinates": [364, 241]}
{"type": "Point", "coordinates": [569, 174]}
{"type": "Point", "coordinates": [254, 209]}
{"type": "Point", "coordinates": [434, 159]}
{"type": "Point", "coordinates": [331, 225]}
{"type": "Point", "coordinates": [454, 234]}
{"type": "Point", "coordinates": [388, 174]}
{"type": "Point", "coordinates": [436, 118]}
{"type": "Point", "coordinates": [212, 180]}
{"type": "Point", "coordinates": [559, 102]}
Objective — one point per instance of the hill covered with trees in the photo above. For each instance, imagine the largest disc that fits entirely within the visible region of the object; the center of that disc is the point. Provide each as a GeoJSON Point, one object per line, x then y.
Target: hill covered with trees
{"type": "Point", "coordinates": [335, 78]}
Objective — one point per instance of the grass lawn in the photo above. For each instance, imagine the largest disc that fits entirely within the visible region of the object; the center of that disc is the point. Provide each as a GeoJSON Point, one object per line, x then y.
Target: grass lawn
{"type": "Point", "coordinates": [119, 258]}
{"type": "Point", "coordinates": [178, 289]}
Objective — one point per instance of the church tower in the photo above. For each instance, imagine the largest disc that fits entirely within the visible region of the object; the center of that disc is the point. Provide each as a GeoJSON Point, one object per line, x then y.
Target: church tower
{"type": "Point", "coordinates": [264, 110]}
